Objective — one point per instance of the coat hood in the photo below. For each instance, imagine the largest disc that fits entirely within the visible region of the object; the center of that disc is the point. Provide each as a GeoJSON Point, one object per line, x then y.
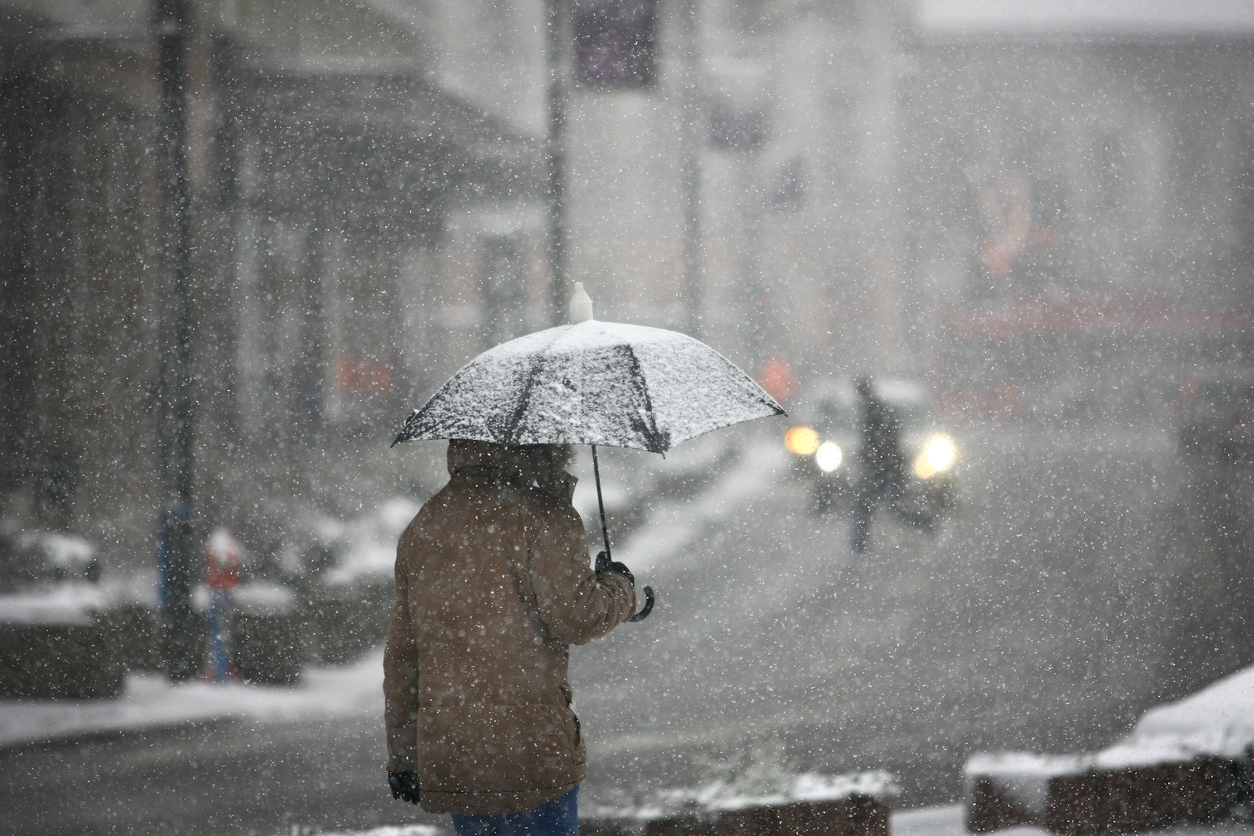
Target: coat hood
{"type": "Point", "coordinates": [467, 453]}
{"type": "Point", "coordinates": [523, 463]}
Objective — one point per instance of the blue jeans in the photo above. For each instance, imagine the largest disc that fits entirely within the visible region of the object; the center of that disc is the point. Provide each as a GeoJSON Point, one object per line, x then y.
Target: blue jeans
{"type": "Point", "coordinates": [560, 817]}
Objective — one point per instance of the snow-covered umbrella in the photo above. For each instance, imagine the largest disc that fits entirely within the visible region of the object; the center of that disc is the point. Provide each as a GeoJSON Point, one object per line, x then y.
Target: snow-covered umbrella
{"type": "Point", "coordinates": [598, 383]}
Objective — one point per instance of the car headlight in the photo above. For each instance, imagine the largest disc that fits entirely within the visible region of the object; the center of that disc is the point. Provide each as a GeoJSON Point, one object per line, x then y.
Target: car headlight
{"type": "Point", "coordinates": [828, 456]}
{"type": "Point", "coordinates": [937, 457]}
{"type": "Point", "coordinates": [802, 441]}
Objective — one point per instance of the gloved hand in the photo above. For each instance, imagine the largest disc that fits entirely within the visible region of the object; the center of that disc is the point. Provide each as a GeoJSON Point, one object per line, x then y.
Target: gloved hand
{"type": "Point", "coordinates": [404, 786]}
{"type": "Point", "coordinates": [604, 564]}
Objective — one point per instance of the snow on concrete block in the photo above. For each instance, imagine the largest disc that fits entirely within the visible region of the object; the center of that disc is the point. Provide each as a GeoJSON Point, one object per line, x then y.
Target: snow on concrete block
{"type": "Point", "coordinates": [1182, 764]}
{"type": "Point", "coordinates": [805, 805]}
{"type": "Point", "coordinates": [61, 604]}
{"type": "Point", "coordinates": [56, 642]}
{"type": "Point", "coordinates": [1218, 720]}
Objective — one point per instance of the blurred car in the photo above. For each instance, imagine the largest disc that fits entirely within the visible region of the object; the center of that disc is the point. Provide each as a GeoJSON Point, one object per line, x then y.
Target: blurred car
{"type": "Point", "coordinates": [1217, 418]}
{"type": "Point", "coordinates": [825, 443]}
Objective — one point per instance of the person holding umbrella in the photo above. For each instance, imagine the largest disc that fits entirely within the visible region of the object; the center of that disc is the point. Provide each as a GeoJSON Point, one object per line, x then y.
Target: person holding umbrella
{"type": "Point", "coordinates": [492, 587]}
{"type": "Point", "coordinates": [492, 577]}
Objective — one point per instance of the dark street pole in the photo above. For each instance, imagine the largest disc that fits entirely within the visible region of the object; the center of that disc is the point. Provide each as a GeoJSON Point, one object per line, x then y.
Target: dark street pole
{"type": "Point", "coordinates": [558, 290]}
{"type": "Point", "coordinates": [176, 554]}
{"type": "Point", "coordinates": [694, 280]}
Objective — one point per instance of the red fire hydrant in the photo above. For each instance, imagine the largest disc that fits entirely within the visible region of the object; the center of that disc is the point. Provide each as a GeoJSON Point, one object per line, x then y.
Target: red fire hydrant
{"type": "Point", "coordinates": [223, 557]}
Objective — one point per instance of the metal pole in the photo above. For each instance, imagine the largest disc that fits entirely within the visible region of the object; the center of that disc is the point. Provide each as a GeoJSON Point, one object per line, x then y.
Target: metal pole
{"type": "Point", "coordinates": [558, 290]}
{"type": "Point", "coordinates": [171, 19]}
{"type": "Point", "coordinates": [605, 533]}
{"type": "Point", "coordinates": [694, 284]}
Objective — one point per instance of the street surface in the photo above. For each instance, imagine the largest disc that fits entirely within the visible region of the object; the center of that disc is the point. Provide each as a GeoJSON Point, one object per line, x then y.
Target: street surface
{"type": "Point", "coordinates": [1047, 616]}
{"type": "Point", "coordinates": [1078, 584]}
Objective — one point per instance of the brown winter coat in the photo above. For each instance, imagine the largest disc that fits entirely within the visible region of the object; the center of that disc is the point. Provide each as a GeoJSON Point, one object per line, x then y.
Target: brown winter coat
{"type": "Point", "coordinates": [492, 587]}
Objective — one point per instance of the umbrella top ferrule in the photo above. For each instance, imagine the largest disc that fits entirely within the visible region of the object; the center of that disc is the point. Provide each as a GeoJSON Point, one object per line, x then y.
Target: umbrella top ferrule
{"type": "Point", "coordinates": [580, 305]}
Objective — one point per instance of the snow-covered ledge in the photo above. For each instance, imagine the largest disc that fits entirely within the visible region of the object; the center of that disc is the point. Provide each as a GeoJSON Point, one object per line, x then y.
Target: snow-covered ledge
{"type": "Point", "coordinates": [1179, 747]}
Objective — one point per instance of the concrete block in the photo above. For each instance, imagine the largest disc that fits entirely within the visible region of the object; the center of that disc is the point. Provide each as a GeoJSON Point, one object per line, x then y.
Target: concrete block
{"type": "Point", "coordinates": [51, 661]}
{"type": "Point", "coordinates": [856, 815]}
{"type": "Point", "coordinates": [266, 648]}
{"type": "Point", "coordinates": [990, 807]}
{"type": "Point", "coordinates": [1140, 798]}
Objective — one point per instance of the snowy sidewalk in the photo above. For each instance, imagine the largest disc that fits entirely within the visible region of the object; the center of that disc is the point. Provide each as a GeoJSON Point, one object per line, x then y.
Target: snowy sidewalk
{"type": "Point", "coordinates": [152, 701]}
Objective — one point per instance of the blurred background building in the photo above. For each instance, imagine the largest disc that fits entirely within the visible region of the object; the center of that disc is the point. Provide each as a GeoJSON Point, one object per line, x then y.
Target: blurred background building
{"type": "Point", "coordinates": [1027, 206]}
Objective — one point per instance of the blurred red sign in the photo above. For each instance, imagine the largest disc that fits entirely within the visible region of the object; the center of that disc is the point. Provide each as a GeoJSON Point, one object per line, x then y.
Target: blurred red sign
{"type": "Point", "coordinates": [354, 376]}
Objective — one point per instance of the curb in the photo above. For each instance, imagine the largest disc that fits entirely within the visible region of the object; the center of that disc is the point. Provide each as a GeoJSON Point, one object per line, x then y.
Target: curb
{"type": "Point", "coordinates": [855, 815]}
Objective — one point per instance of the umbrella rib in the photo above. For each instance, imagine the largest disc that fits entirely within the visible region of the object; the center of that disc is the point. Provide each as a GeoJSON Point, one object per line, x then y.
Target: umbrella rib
{"type": "Point", "coordinates": [524, 400]}
{"type": "Point", "coordinates": [655, 438]}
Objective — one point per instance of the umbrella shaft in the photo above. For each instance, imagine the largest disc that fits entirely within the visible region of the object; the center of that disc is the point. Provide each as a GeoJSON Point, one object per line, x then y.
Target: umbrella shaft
{"type": "Point", "coordinates": [596, 471]}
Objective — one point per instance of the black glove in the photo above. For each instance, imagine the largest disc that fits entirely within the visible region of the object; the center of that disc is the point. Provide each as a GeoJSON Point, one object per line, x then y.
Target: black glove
{"type": "Point", "coordinates": [404, 786]}
{"type": "Point", "coordinates": [604, 564]}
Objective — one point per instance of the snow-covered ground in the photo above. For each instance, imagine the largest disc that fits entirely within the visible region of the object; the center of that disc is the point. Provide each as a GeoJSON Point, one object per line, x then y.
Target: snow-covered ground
{"type": "Point", "coordinates": [152, 701]}
{"type": "Point", "coordinates": [1215, 719]}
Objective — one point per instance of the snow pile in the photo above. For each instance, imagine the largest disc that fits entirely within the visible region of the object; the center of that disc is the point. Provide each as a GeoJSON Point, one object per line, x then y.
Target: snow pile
{"type": "Point", "coordinates": [1218, 720]}
{"type": "Point", "coordinates": [66, 551]}
{"type": "Point", "coordinates": [264, 598]}
{"type": "Point", "coordinates": [74, 603]}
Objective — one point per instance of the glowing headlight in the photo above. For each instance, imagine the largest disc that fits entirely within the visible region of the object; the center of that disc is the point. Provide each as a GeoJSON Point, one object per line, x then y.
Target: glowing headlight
{"type": "Point", "coordinates": [937, 457]}
{"type": "Point", "coordinates": [941, 453]}
{"type": "Point", "coordinates": [801, 440]}
{"type": "Point", "coordinates": [828, 456]}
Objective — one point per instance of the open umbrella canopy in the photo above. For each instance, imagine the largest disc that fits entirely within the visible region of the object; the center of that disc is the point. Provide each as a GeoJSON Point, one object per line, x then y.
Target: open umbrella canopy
{"type": "Point", "coordinates": [600, 383]}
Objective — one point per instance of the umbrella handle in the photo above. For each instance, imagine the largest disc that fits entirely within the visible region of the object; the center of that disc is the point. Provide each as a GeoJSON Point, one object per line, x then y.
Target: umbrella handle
{"type": "Point", "coordinates": [648, 590]}
{"type": "Point", "coordinates": [647, 608]}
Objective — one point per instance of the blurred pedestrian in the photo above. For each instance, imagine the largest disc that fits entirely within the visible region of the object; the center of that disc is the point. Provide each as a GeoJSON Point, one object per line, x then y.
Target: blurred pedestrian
{"type": "Point", "coordinates": [883, 474]}
{"type": "Point", "coordinates": [492, 587]}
